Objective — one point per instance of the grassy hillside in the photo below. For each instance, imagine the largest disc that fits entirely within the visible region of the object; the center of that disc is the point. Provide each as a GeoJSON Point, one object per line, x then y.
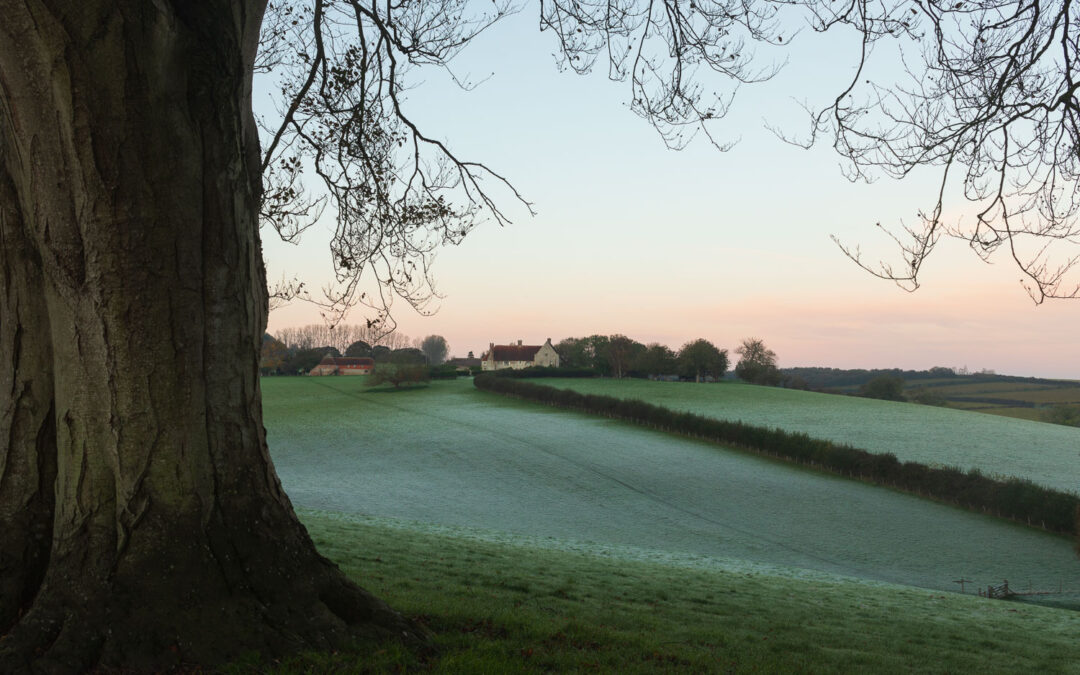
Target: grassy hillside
{"type": "Point", "coordinates": [1044, 453]}
{"type": "Point", "coordinates": [516, 606]}
{"type": "Point", "coordinates": [453, 456]}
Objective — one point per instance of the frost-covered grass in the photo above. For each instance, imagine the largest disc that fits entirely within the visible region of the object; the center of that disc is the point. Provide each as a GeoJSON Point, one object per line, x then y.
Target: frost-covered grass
{"type": "Point", "coordinates": [455, 457]}
{"type": "Point", "coordinates": [1044, 453]}
{"type": "Point", "coordinates": [515, 606]}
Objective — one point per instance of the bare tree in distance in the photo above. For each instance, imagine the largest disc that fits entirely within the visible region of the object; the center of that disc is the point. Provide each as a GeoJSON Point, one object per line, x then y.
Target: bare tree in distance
{"type": "Point", "coordinates": [339, 336]}
{"type": "Point", "coordinates": [621, 352]}
{"type": "Point", "coordinates": [434, 348]}
{"type": "Point", "coordinates": [757, 363]}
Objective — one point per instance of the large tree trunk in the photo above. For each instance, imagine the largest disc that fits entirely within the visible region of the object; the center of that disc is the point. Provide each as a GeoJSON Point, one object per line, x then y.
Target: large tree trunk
{"type": "Point", "coordinates": [27, 429]}
{"type": "Point", "coordinates": [126, 130]}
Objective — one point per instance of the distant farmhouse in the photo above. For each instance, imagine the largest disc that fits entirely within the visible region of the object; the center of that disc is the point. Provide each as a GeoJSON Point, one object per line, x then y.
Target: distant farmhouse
{"type": "Point", "coordinates": [519, 356]}
{"type": "Point", "coordinates": [344, 365]}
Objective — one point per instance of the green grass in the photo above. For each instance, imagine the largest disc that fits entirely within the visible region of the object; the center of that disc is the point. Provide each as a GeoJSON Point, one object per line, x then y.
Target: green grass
{"type": "Point", "coordinates": [455, 456]}
{"type": "Point", "coordinates": [504, 607]}
{"type": "Point", "coordinates": [535, 540]}
{"type": "Point", "coordinates": [1044, 453]}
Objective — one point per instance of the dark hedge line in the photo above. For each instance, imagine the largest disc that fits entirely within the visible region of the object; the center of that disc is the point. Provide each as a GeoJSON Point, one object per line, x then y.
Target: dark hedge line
{"type": "Point", "coordinates": [1013, 498]}
{"type": "Point", "coordinates": [543, 371]}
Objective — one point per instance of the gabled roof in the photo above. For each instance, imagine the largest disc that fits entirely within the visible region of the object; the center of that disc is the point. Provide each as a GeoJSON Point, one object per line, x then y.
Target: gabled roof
{"type": "Point", "coordinates": [514, 352]}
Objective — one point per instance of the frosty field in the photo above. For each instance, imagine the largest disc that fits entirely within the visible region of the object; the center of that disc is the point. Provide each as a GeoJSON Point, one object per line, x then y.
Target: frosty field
{"type": "Point", "coordinates": [451, 456]}
{"type": "Point", "coordinates": [1044, 453]}
{"type": "Point", "coordinates": [516, 606]}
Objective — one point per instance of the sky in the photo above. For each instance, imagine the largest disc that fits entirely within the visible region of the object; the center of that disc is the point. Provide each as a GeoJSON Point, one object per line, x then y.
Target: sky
{"type": "Point", "coordinates": [670, 246]}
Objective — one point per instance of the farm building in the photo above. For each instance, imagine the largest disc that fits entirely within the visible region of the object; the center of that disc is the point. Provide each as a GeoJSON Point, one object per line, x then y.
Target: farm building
{"type": "Point", "coordinates": [344, 365]}
{"type": "Point", "coordinates": [519, 356]}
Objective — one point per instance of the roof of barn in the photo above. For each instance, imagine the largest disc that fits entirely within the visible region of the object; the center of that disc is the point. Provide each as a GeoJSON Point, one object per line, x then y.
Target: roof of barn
{"type": "Point", "coordinates": [515, 352]}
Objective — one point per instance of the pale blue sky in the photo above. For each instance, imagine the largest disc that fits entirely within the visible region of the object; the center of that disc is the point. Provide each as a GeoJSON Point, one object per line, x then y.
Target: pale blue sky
{"type": "Point", "coordinates": [670, 246]}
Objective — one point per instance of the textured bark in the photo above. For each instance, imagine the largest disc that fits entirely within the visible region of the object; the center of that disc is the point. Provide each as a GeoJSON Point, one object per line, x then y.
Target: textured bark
{"type": "Point", "coordinates": [126, 130]}
{"type": "Point", "coordinates": [27, 431]}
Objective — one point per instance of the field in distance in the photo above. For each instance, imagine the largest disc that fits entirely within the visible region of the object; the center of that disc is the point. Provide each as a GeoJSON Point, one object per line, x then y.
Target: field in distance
{"type": "Point", "coordinates": [453, 456]}
{"type": "Point", "coordinates": [1044, 453]}
{"type": "Point", "coordinates": [1029, 398]}
{"type": "Point", "coordinates": [1024, 400]}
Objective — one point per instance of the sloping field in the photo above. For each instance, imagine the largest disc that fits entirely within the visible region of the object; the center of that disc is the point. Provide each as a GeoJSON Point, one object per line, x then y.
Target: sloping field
{"type": "Point", "coordinates": [514, 605]}
{"type": "Point", "coordinates": [453, 456]}
{"type": "Point", "coordinates": [1044, 453]}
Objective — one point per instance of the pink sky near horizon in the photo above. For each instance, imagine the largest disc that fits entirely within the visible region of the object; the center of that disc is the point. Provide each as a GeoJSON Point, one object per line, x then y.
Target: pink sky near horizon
{"type": "Point", "coordinates": [670, 246]}
{"type": "Point", "coordinates": [987, 324]}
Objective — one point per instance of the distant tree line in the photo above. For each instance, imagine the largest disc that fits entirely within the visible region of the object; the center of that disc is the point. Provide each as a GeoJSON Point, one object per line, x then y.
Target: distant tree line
{"type": "Point", "coordinates": [299, 349]}
{"type": "Point", "coordinates": [279, 357]}
{"type": "Point", "coordinates": [1013, 498]}
{"type": "Point", "coordinates": [824, 379]}
{"type": "Point", "coordinates": [620, 356]}
{"type": "Point", "coordinates": [699, 360]}
{"type": "Point", "coordinates": [340, 337]}
{"type": "Point", "coordinates": [921, 386]}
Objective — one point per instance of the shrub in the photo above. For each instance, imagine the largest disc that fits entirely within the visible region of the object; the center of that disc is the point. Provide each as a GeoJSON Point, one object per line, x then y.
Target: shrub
{"type": "Point", "coordinates": [1063, 414]}
{"type": "Point", "coordinates": [884, 387]}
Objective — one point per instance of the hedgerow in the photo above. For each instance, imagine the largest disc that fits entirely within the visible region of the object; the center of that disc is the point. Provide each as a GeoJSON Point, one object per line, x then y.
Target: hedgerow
{"type": "Point", "coordinates": [1006, 497]}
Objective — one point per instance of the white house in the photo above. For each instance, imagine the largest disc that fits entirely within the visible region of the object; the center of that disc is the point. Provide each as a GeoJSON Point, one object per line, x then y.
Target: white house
{"type": "Point", "coordinates": [519, 356]}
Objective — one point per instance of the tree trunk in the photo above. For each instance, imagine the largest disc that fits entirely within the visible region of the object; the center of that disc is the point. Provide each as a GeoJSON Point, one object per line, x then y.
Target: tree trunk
{"type": "Point", "coordinates": [126, 130]}
{"type": "Point", "coordinates": [27, 430]}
